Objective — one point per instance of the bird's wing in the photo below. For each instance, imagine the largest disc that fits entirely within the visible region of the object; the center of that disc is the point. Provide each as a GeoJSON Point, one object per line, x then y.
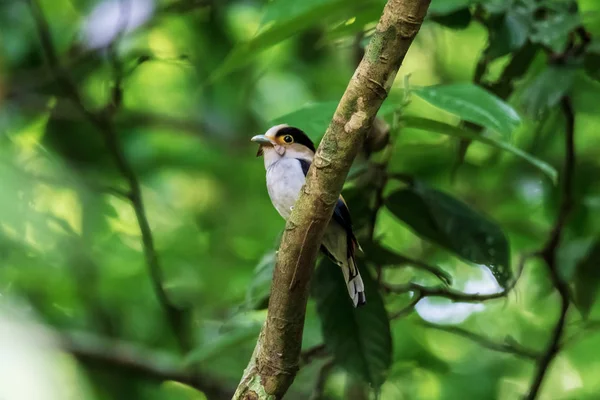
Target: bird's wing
{"type": "Point", "coordinates": [341, 214]}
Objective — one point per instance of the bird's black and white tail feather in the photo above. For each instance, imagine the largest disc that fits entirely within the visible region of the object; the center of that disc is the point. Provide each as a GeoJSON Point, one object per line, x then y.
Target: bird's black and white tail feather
{"type": "Point", "coordinates": [354, 282]}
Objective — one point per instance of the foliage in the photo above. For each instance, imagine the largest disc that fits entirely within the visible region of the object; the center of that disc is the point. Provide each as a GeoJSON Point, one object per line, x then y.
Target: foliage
{"type": "Point", "coordinates": [133, 208]}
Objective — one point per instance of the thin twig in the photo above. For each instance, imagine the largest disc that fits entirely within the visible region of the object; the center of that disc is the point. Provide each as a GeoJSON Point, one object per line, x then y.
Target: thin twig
{"type": "Point", "coordinates": [432, 269]}
{"type": "Point", "coordinates": [324, 372]}
{"type": "Point", "coordinates": [455, 295]}
{"type": "Point", "coordinates": [408, 309]}
{"type": "Point", "coordinates": [549, 252]}
{"type": "Point", "coordinates": [312, 353]}
{"type": "Point", "coordinates": [511, 348]}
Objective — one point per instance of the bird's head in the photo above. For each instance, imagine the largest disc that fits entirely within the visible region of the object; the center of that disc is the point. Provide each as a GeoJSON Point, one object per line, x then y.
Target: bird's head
{"type": "Point", "coordinates": [284, 141]}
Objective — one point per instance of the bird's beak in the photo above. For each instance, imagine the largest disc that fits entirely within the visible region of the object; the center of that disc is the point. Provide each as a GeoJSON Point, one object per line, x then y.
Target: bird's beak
{"type": "Point", "coordinates": [262, 140]}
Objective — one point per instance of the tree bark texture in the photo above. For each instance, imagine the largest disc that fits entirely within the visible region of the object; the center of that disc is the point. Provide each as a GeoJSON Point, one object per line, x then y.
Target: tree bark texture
{"type": "Point", "coordinates": [274, 363]}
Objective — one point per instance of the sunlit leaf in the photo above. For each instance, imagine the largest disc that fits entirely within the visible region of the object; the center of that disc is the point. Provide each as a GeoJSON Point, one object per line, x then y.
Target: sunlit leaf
{"type": "Point", "coordinates": [358, 338]}
{"type": "Point", "coordinates": [453, 225]}
{"type": "Point", "coordinates": [463, 133]}
{"type": "Point", "coordinates": [172, 390]}
{"type": "Point", "coordinates": [472, 103]}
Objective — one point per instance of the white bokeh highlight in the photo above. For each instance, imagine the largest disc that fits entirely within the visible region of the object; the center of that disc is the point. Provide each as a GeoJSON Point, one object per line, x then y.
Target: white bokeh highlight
{"type": "Point", "coordinates": [444, 311]}
{"type": "Point", "coordinates": [28, 364]}
{"type": "Point", "coordinates": [111, 17]}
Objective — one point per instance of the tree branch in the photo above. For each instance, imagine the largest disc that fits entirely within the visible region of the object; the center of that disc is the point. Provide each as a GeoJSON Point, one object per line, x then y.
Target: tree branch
{"type": "Point", "coordinates": [455, 295]}
{"type": "Point", "coordinates": [127, 357]}
{"type": "Point", "coordinates": [549, 252]}
{"type": "Point", "coordinates": [103, 123]}
{"type": "Point", "coordinates": [274, 362]}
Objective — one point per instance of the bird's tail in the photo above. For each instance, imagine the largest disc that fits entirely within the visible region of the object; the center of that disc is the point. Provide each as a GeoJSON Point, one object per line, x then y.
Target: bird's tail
{"type": "Point", "coordinates": [356, 287]}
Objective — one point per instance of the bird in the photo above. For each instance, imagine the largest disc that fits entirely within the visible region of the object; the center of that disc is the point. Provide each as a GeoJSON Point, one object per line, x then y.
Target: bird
{"type": "Point", "coordinates": [288, 153]}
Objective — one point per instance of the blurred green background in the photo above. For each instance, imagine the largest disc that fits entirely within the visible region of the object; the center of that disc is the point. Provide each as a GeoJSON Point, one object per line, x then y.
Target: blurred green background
{"type": "Point", "coordinates": [174, 89]}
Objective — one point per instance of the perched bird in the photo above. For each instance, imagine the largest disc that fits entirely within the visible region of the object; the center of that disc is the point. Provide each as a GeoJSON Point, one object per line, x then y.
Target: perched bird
{"type": "Point", "coordinates": [288, 153]}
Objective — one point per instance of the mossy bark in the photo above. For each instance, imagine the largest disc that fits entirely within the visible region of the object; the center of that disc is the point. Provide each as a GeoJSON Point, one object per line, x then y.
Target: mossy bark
{"type": "Point", "coordinates": [274, 363]}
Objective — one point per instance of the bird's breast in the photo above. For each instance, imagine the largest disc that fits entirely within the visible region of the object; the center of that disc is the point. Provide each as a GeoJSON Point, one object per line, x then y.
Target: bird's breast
{"type": "Point", "coordinates": [284, 182]}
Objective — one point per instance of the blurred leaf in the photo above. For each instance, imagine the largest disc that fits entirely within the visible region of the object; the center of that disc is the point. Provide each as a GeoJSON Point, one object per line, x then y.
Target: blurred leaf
{"type": "Point", "coordinates": [554, 30]}
{"type": "Point", "coordinates": [570, 255]}
{"type": "Point", "coordinates": [75, 139]}
{"type": "Point", "coordinates": [497, 6]}
{"type": "Point", "coordinates": [592, 60]}
{"type": "Point", "coordinates": [463, 133]}
{"type": "Point", "coordinates": [453, 225]}
{"type": "Point", "coordinates": [370, 14]}
{"type": "Point", "coordinates": [458, 19]}
{"type": "Point", "coordinates": [260, 287]}
{"type": "Point", "coordinates": [449, 6]}
{"type": "Point", "coordinates": [358, 338]}
{"type": "Point", "coordinates": [548, 88]}
{"type": "Point", "coordinates": [586, 280]}
{"type": "Point", "coordinates": [225, 342]}
{"type": "Point", "coordinates": [172, 390]}
{"type": "Point", "coordinates": [472, 103]}
{"type": "Point", "coordinates": [508, 32]}
{"type": "Point", "coordinates": [312, 118]}
{"type": "Point", "coordinates": [306, 15]}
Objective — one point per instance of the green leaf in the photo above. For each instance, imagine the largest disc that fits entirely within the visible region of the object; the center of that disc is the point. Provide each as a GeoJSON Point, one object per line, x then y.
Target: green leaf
{"type": "Point", "coordinates": [285, 25]}
{"type": "Point", "coordinates": [313, 118]}
{"type": "Point", "coordinates": [359, 338]}
{"type": "Point", "coordinates": [453, 225]}
{"type": "Point", "coordinates": [586, 280]}
{"type": "Point", "coordinates": [446, 7]}
{"type": "Point", "coordinates": [554, 30]}
{"type": "Point", "coordinates": [243, 329]}
{"type": "Point", "coordinates": [472, 103]}
{"type": "Point", "coordinates": [463, 133]}
{"type": "Point", "coordinates": [592, 60]}
{"type": "Point", "coordinates": [508, 32]}
{"type": "Point", "coordinates": [548, 88]}
{"type": "Point", "coordinates": [458, 19]}
{"type": "Point", "coordinates": [172, 390]}
{"type": "Point", "coordinates": [570, 255]}
{"type": "Point", "coordinates": [260, 287]}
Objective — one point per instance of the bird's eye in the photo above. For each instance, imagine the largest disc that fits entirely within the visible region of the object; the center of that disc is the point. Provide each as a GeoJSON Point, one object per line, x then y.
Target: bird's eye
{"type": "Point", "coordinates": [288, 139]}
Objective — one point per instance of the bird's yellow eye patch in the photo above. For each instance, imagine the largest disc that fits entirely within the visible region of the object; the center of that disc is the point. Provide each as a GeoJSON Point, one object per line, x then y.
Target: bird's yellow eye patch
{"type": "Point", "coordinates": [288, 139]}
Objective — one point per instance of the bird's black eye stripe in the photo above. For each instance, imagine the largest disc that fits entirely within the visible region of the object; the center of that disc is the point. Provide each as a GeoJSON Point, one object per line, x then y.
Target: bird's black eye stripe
{"type": "Point", "coordinates": [297, 136]}
{"type": "Point", "coordinates": [288, 139]}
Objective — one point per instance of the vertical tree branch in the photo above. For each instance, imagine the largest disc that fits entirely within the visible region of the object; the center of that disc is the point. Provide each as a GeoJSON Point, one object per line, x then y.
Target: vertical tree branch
{"type": "Point", "coordinates": [549, 252]}
{"type": "Point", "coordinates": [274, 362]}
